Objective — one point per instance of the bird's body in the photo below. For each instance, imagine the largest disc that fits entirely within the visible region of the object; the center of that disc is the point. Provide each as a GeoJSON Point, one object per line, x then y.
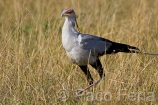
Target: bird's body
{"type": "Point", "coordinates": [84, 49]}
{"type": "Point", "coordinates": [81, 48]}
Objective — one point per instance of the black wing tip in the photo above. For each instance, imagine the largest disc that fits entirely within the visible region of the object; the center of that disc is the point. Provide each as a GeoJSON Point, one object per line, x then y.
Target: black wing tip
{"type": "Point", "coordinates": [133, 48]}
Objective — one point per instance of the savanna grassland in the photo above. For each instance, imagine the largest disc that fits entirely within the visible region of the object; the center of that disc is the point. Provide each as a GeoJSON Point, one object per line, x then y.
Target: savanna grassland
{"type": "Point", "coordinates": [34, 68]}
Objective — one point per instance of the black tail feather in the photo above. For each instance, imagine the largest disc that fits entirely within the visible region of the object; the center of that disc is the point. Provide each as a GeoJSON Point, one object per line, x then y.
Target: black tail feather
{"type": "Point", "coordinates": [118, 47]}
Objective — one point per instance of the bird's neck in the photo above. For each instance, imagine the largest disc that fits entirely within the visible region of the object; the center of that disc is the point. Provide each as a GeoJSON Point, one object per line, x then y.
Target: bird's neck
{"type": "Point", "coordinates": [69, 25]}
{"type": "Point", "coordinates": [69, 33]}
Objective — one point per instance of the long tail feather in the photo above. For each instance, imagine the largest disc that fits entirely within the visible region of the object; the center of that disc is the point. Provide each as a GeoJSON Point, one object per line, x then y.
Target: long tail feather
{"type": "Point", "coordinates": [119, 47]}
{"type": "Point", "coordinates": [148, 53]}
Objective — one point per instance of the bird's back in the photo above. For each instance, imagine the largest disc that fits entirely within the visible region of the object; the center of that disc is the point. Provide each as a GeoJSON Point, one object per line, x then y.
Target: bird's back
{"type": "Point", "coordinates": [97, 45]}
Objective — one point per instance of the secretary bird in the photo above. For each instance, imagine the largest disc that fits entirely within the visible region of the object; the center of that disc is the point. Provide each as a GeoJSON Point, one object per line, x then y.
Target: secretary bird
{"type": "Point", "coordinates": [84, 49]}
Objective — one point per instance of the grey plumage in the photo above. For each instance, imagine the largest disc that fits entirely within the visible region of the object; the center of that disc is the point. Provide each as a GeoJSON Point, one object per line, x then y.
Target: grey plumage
{"type": "Point", "coordinates": [84, 49]}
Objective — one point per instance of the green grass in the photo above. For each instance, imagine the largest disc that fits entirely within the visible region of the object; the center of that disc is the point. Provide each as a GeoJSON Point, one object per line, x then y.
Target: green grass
{"type": "Point", "coordinates": [34, 68]}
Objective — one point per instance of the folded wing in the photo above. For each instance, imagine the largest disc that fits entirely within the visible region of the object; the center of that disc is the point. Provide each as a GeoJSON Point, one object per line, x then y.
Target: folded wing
{"type": "Point", "coordinates": [97, 45]}
{"type": "Point", "coordinates": [100, 46]}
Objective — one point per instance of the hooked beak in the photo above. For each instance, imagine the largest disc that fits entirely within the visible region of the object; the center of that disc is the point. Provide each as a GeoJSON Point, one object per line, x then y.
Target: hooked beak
{"type": "Point", "coordinates": [65, 14]}
{"type": "Point", "coordinates": [62, 15]}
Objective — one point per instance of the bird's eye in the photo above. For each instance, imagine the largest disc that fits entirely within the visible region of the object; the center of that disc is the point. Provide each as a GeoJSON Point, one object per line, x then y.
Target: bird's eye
{"type": "Point", "coordinates": [69, 11]}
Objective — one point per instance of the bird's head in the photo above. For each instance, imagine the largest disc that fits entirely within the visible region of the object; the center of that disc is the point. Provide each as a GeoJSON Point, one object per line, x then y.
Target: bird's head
{"type": "Point", "coordinates": [68, 13]}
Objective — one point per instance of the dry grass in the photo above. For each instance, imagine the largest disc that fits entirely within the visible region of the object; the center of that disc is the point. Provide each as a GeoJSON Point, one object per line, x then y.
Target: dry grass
{"type": "Point", "coordinates": [34, 66]}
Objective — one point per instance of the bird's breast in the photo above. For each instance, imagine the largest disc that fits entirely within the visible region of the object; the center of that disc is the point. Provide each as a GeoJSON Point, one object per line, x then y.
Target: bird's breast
{"type": "Point", "coordinates": [80, 57]}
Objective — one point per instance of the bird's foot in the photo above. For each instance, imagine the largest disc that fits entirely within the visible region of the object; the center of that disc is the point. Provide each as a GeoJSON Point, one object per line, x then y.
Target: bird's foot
{"type": "Point", "coordinates": [89, 86]}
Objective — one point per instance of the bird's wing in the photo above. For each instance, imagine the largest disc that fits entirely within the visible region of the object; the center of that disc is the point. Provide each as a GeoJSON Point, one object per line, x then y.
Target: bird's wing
{"type": "Point", "coordinates": [97, 45]}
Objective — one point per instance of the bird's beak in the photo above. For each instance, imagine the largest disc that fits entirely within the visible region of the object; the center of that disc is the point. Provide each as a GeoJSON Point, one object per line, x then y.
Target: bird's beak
{"type": "Point", "coordinates": [65, 14]}
{"type": "Point", "coordinates": [62, 15]}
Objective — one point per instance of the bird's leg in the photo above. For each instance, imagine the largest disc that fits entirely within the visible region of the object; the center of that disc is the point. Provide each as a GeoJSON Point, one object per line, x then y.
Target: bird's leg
{"type": "Point", "coordinates": [98, 66]}
{"type": "Point", "coordinates": [87, 73]}
{"type": "Point", "coordinates": [89, 78]}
